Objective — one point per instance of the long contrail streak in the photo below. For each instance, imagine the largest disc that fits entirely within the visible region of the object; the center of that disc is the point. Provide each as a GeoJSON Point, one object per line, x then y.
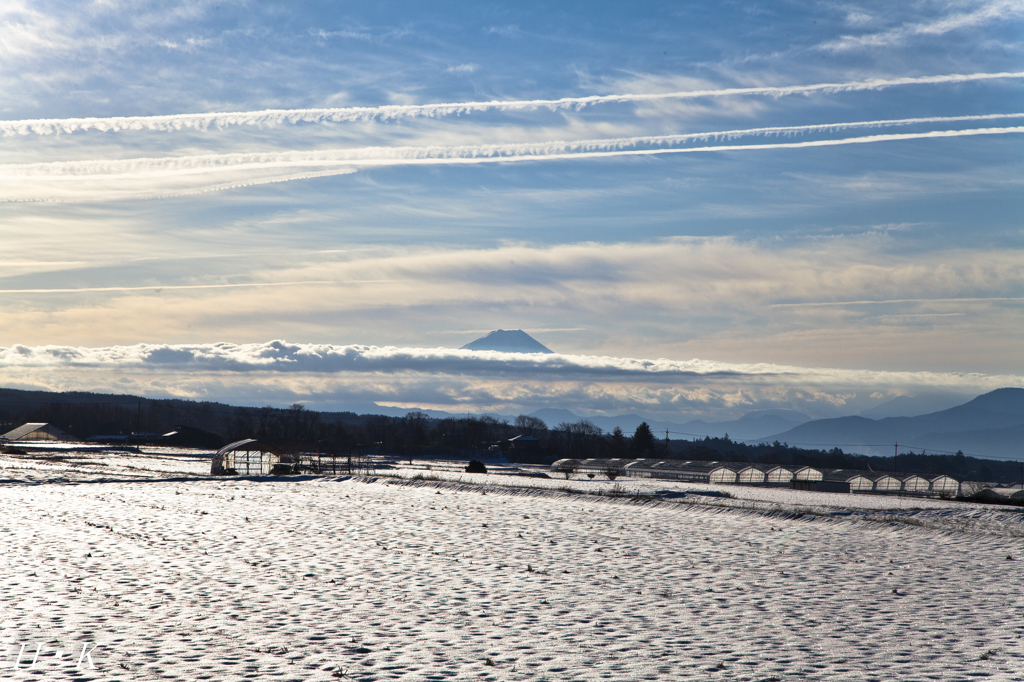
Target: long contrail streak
{"type": "Point", "coordinates": [176, 287]}
{"type": "Point", "coordinates": [395, 156]}
{"type": "Point", "coordinates": [273, 117]}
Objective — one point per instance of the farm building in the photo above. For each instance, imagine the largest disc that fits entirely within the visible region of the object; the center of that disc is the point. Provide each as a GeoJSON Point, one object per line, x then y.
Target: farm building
{"type": "Point", "coordinates": [884, 483]}
{"type": "Point", "coordinates": [779, 476]}
{"type": "Point", "coordinates": [945, 485]}
{"type": "Point", "coordinates": [245, 458]}
{"type": "Point", "coordinates": [750, 476]}
{"type": "Point", "coordinates": [36, 431]}
{"type": "Point", "coordinates": [801, 478]}
{"type": "Point", "coordinates": [859, 482]}
{"type": "Point", "coordinates": [524, 443]}
{"type": "Point", "coordinates": [822, 486]}
{"type": "Point", "coordinates": [912, 483]}
{"type": "Point", "coordinates": [722, 474]}
{"type": "Point", "coordinates": [808, 474]}
{"type": "Point", "coordinates": [1003, 493]}
{"type": "Point", "coordinates": [565, 466]}
{"type": "Point", "coordinates": [591, 467]}
{"type": "Point", "coordinates": [673, 469]}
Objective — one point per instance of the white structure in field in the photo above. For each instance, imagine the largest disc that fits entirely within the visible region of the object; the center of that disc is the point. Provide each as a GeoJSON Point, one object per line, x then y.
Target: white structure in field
{"type": "Point", "coordinates": [1003, 493]}
{"type": "Point", "coordinates": [245, 458]}
{"type": "Point", "coordinates": [808, 474]}
{"type": "Point", "coordinates": [945, 485]}
{"type": "Point", "coordinates": [36, 431]}
{"type": "Point", "coordinates": [912, 483]}
{"type": "Point", "coordinates": [803, 477]}
{"type": "Point", "coordinates": [884, 483]}
{"type": "Point", "coordinates": [779, 476]}
{"type": "Point", "coordinates": [859, 483]}
{"type": "Point", "coordinates": [751, 476]}
{"type": "Point", "coordinates": [722, 474]}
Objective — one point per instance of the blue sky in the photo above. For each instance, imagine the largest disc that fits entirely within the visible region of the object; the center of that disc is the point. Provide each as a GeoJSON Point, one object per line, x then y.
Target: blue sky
{"type": "Point", "coordinates": [856, 262]}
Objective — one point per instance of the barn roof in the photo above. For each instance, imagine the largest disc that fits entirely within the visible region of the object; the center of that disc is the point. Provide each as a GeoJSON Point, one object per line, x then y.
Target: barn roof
{"type": "Point", "coordinates": [844, 474]}
{"type": "Point", "coordinates": [234, 446]}
{"type": "Point", "coordinates": [30, 428]}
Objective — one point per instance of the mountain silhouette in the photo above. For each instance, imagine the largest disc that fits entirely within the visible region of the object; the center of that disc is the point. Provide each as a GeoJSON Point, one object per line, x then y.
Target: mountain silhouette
{"type": "Point", "coordinates": [991, 425]}
{"type": "Point", "coordinates": [508, 341]}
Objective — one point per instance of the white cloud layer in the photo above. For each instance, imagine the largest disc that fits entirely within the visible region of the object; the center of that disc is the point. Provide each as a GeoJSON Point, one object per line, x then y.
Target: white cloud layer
{"type": "Point", "coordinates": [282, 356]}
{"type": "Point", "coordinates": [324, 375]}
{"type": "Point", "coordinates": [956, 20]}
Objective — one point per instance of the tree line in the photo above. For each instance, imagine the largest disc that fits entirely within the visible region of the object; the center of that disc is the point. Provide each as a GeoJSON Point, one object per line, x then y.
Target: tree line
{"type": "Point", "coordinates": [85, 415]}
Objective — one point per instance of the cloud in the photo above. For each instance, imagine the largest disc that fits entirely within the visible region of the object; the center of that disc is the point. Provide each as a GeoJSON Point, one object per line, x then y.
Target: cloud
{"type": "Point", "coordinates": [854, 301]}
{"type": "Point", "coordinates": [986, 13]}
{"type": "Point", "coordinates": [282, 356]}
{"type": "Point", "coordinates": [274, 117]}
{"type": "Point", "coordinates": [462, 68]}
{"type": "Point", "coordinates": [460, 380]}
{"type": "Point", "coordinates": [100, 180]}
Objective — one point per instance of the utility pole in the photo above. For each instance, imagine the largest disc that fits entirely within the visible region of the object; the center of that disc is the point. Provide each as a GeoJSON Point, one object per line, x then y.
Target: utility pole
{"type": "Point", "coordinates": [138, 429]}
{"type": "Point", "coordinates": [895, 454]}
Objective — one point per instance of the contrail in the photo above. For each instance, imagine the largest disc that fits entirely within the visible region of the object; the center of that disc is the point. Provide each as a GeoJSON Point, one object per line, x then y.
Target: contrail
{"type": "Point", "coordinates": [273, 117]}
{"type": "Point", "coordinates": [827, 304]}
{"type": "Point", "coordinates": [175, 287]}
{"type": "Point", "coordinates": [169, 167]}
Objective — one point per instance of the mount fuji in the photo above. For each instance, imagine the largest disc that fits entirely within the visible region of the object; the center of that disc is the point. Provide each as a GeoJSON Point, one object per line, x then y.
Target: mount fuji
{"type": "Point", "coordinates": [508, 341]}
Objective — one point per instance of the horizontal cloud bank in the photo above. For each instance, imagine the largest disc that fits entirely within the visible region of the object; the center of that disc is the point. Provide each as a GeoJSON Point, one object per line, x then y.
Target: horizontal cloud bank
{"type": "Point", "coordinates": [97, 180]}
{"type": "Point", "coordinates": [283, 357]}
{"type": "Point", "coordinates": [273, 117]}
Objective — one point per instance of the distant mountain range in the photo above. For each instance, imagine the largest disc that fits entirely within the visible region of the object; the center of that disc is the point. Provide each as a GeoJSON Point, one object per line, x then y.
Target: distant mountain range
{"type": "Point", "coordinates": [912, 406]}
{"type": "Point", "coordinates": [750, 426]}
{"type": "Point", "coordinates": [991, 425]}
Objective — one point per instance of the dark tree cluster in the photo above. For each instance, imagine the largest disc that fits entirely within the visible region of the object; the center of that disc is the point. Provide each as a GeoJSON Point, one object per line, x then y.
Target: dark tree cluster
{"type": "Point", "coordinates": [296, 428]}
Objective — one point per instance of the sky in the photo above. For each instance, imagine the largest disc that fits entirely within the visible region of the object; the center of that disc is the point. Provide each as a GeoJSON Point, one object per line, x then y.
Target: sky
{"type": "Point", "coordinates": [704, 209]}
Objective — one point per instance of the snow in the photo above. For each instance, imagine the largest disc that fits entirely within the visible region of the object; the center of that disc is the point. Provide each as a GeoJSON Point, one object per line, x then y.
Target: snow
{"type": "Point", "coordinates": [177, 575]}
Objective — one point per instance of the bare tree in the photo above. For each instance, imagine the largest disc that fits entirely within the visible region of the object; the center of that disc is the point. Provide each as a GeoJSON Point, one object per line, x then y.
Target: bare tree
{"type": "Point", "coordinates": [579, 439]}
{"type": "Point", "coordinates": [531, 426]}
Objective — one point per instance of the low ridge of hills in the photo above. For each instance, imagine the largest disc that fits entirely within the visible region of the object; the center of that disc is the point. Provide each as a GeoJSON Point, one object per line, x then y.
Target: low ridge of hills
{"type": "Point", "coordinates": [991, 425]}
{"type": "Point", "coordinates": [750, 426]}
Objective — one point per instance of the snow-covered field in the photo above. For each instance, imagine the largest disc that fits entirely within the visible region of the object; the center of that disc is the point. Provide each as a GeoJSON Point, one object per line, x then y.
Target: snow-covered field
{"type": "Point", "coordinates": [176, 575]}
